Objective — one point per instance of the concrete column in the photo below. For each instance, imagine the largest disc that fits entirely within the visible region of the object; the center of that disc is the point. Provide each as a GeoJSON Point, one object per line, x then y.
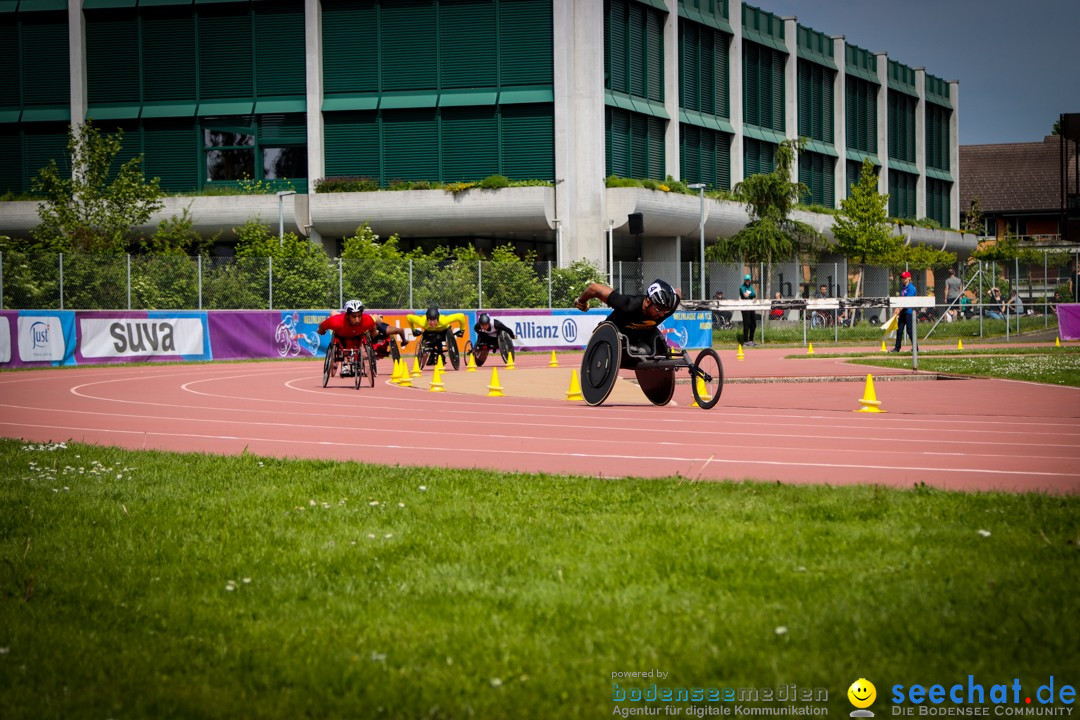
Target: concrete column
{"type": "Point", "coordinates": [791, 88]}
{"type": "Point", "coordinates": [579, 129]}
{"type": "Point", "coordinates": [920, 143]}
{"type": "Point", "coordinates": [735, 87]}
{"type": "Point", "coordinates": [672, 159]}
{"type": "Point", "coordinates": [660, 258]}
{"type": "Point", "coordinates": [883, 122]}
{"type": "Point", "coordinates": [316, 144]}
{"type": "Point", "coordinates": [954, 154]}
{"type": "Point", "coordinates": [77, 62]}
{"type": "Point", "coordinates": [840, 184]}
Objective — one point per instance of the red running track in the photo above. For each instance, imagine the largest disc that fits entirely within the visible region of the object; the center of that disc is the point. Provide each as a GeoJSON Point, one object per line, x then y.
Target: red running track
{"type": "Point", "coordinates": [962, 434]}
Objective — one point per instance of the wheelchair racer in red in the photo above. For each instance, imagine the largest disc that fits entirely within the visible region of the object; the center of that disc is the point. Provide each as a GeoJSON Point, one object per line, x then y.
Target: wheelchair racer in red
{"type": "Point", "coordinates": [351, 328]}
{"type": "Point", "coordinates": [383, 342]}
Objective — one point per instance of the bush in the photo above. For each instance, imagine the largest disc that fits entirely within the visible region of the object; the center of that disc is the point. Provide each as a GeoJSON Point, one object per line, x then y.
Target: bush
{"type": "Point", "coordinates": [346, 184]}
{"type": "Point", "coordinates": [494, 182]}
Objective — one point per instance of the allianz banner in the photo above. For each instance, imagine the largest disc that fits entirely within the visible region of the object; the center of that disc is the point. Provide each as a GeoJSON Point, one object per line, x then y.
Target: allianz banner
{"type": "Point", "coordinates": [568, 329]}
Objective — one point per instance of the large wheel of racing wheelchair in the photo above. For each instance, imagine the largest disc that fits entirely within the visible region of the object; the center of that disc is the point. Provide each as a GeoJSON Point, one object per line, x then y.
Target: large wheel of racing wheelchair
{"type": "Point", "coordinates": [329, 368]}
{"type": "Point", "coordinates": [506, 346]}
{"type": "Point", "coordinates": [452, 349]}
{"type": "Point", "coordinates": [423, 352]}
{"type": "Point", "coordinates": [658, 384]}
{"type": "Point", "coordinates": [707, 378]}
{"type": "Point", "coordinates": [600, 364]}
{"type": "Point", "coordinates": [367, 362]}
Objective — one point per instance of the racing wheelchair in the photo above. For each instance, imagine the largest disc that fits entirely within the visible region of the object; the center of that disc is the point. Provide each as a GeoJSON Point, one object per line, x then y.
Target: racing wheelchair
{"type": "Point", "coordinates": [357, 363]}
{"type": "Point", "coordinates": [430, 346]}
{"type": "Point", "coordinates": [609, 350]}
{"type": "Point", "coordinates": [480, 350]}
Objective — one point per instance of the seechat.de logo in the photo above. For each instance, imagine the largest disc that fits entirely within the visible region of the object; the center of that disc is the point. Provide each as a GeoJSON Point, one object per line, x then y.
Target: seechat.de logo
{"type": "Point", "coordinates": [569, 330]}
{"type": "Point", "coordinates": [862, 695]}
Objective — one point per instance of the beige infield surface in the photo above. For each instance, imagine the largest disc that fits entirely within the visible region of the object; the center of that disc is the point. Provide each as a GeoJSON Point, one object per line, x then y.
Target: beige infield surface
{"type": "Point", "coordinates": [542, 383]}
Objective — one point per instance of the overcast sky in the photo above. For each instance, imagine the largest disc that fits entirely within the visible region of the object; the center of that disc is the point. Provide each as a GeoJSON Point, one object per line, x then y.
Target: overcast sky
{"type": "Point", "coordinates": [1017, 61]}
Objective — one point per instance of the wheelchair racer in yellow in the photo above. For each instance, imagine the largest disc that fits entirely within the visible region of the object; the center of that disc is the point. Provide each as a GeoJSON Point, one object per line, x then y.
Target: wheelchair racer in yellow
{"type": "Point", "coordinates": [437, 338]}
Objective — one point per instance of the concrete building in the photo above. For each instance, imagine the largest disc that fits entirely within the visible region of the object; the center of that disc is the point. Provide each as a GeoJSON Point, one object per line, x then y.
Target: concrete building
{"type": "Point", "coordinates": [564, 91]}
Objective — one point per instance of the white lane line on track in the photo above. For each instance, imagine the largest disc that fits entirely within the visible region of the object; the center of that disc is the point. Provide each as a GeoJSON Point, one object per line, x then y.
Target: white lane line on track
{"type": "Point", "coordinates": [357, 422]}
{"type": "Point", "coordinates": [478, 405]}
{"type": "Point", "coordinates": [712, 460]}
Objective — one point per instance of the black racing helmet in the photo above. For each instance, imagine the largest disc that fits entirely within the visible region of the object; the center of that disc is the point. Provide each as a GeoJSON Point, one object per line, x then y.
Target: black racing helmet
{"type": "Point", "coordinates": [483, 319]}
{"type": "Point", "coordinates": [433, 314]}
{"type": "Point", "coordinates": [662, 295]}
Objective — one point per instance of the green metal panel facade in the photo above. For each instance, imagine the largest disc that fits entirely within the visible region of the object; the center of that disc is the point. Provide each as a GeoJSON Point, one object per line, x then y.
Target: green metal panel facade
{"type": "Point", "coordinates": [763, 86]}
{"type": "Point", "coordinates": [352, 144]}
{"type": "Point", "coordinates": [635, 144]}
{"type": "Point", "coordinates": [758, 157]}
{"type": "Point", "coordinates": [816, 171]}
{"type": "Point", "coordinates": [854, 173]}
{"type": "Point", "coordinates": [703, 69]}
{"type": "Point", "coordinates": [937, 136]}
{"type": "Point", "coordinates": [861, 114]}
{"type": "Point", "coordinates": [705, 156]}
{"type": "Point", "coordinates": [816, 101]}
{"type": "Point", "coordinates": [902, 126]}
{"type": "Point", "coordinates": [938, 204]}
{"type": "Point", "coordinates": [634, 49]}
{"type": "Point", "coordinates": [902, 187]}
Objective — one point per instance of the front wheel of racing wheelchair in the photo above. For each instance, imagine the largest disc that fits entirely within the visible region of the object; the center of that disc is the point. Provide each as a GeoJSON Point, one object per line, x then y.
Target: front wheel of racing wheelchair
{"type": "Point", "coordinates": [607, 352]}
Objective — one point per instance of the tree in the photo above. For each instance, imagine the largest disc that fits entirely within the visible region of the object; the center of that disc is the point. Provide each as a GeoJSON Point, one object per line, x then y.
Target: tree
{"type": "Point", "coordinates": [376, 272]}
{"type": "Point", "coordinates": [862, 228]}
{"type": "Point", "coordinates": [973, 219]}
{"type": "Point", "coordinates": [302, 273]}
{"type": "Point", "coordinates": [771, 233]}
{"type": "Point", "coordinates": [94, 210]}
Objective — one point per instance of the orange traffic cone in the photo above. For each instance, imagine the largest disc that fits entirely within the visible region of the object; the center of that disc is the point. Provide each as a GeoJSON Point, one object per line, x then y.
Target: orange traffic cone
{"type": "Point", "coordinates": [869, 401]}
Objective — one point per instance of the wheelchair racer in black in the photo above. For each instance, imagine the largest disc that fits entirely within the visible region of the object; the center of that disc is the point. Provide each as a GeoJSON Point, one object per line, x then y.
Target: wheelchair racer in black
{"type": "Point", "coordinates": [487, 331]}
{"type": "Point", "coordinates": [636, 316]}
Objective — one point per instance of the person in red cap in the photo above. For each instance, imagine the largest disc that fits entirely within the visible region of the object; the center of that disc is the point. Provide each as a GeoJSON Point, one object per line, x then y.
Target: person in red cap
{"type": "Point", "coordinates": [904, 318]}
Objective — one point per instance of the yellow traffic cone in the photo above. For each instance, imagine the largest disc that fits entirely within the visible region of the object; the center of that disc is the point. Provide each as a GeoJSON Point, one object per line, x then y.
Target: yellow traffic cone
{"type": "Point", "coordinates": [554, 362]}
{"type": "Point", "coordinates": [494, 388]}
{"type": "Point", "coordinates": [395, 377]}
{"type": "Point", "coordinates": [510, 362]}
{"type": "Point", "coordinates": [959, 344]}
{"type": "Point", "coordinates": [1057, 342]}
{"type": "Point", "coordinates": [740, 356]}
{"type": "Point", "coordinates": [574, 393]}
{"type": "Point", "coordinates": [702, 391]}
{"type": "Point", "coordinates": [810, 348]}
{"type": "Point", "coordinates": [415, 367]}
{"type": "Point", "coordinates": [439, 364]}
{"type": "Point", "coordinates": [471, 365]}
{"type": "Point", "coordinates": [869, 401]}
{"type": "Point", "coordinates": [404, 380]}
{"type": "Point", "coordinates": [436, 381]}
{"type": "Point", "coordinates": [883, 348]}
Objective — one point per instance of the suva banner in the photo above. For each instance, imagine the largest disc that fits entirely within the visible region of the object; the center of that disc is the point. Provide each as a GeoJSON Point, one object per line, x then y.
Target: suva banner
{"type": "Point", "coordinates": [65, 337]}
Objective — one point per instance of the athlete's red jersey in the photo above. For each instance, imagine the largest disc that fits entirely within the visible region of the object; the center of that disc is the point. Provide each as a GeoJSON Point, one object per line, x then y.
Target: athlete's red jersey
{"type": "Point", "coordinates": [348, 335]}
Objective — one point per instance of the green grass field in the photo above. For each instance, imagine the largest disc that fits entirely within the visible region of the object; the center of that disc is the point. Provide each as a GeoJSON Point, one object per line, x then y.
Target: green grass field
{"type": "Point", "coordinates": [147, 585]}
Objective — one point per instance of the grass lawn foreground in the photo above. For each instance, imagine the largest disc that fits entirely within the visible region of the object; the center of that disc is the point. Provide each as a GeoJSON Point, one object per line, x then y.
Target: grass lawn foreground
{"type": "Point", "coordinates": [148, 584]}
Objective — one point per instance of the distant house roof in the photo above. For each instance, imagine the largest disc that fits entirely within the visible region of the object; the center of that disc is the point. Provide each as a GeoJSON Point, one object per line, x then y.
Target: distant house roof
{"type": "Point", "coordinates": [1017, 177]}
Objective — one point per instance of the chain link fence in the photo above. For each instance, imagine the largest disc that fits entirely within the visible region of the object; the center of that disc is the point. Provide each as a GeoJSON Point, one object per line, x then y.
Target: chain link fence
{"type": "Point", "coordinates": [175, 282]}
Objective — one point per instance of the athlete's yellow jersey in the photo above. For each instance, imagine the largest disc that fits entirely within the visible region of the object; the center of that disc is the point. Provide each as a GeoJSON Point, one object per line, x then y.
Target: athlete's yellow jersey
{"type": "Point", "coordinates": [420, 322]}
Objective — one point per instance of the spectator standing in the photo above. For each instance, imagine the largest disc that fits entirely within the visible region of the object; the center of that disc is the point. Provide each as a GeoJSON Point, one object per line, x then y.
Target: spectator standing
{"type": "Point", "coordinates": [749, 317]}
{"type": "Point", "coordinates": [953, 288]}
{"type": "Point", "coordinates": [905, 319]}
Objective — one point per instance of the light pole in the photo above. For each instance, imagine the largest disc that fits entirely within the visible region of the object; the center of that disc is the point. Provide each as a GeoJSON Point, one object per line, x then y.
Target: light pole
{"type": "Point", "coordinates": [282, 194]}
{"type": "Point", "coordinates": [700, 187]}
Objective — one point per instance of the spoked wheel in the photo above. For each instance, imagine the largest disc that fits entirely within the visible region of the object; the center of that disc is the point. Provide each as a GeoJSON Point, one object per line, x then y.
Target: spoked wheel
{"type": "Point", "coordinates": [367, 360]}
{"type": "Point", "coordinates": [506, 346]}
{"type": "Point", "coordinates": [452, 350]}
{"type": "Point", "coordinates": [481, 353]}
{"type": "Point", "coordinates": [357, 362]}
{"type": "Point", "coordinates": [600, 364]}
{"type": "Point", "coordinates": [421, 352]}
{"type": "Point", "coordinates": [707, 378]}
{"type": "Point", "coordinates": [469, 350]}
{"type": "Point", "coordinates": [328, 364]}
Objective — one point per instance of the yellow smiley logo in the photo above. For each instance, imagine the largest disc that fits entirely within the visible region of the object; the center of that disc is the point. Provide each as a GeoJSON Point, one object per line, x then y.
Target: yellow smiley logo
{"type": "Point", "coordinates": [862, 693]}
